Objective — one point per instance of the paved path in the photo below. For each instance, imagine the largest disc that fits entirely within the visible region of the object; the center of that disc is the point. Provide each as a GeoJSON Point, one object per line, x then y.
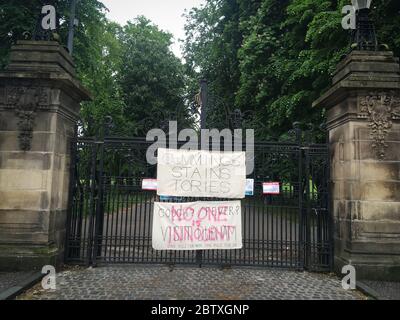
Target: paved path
{"type": "Point", "coordinates": [11, 279]}
{"type": "Point", "coordinates": [384, 290]}
{"type": "Point", "coordinates": [129, 282]}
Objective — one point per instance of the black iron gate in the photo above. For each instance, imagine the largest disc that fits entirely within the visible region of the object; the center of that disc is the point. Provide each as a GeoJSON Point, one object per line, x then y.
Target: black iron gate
{"type": "Point", "coordinates": [110, 216]}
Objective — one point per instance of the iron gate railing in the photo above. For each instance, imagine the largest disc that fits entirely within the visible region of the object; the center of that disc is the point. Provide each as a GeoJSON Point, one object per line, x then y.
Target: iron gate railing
{"type": "Point", "coordinates": [110, 217]}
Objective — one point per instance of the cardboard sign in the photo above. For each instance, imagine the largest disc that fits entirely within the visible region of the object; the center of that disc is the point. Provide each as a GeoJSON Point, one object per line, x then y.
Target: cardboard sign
{"type": "Point", "coordinates": [192, 173]}
{"type": "Point", "coordinates": [197, 225]}
{"type": "Point", "coordinates": [149, 184]}
{"type": "Point", "coordinates": [271, 188]}
{"type": "Point", "coordinates": [250, 187]}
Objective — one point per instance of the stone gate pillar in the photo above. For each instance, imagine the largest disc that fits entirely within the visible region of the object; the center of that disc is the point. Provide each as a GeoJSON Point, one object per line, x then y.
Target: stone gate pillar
{"type": "Point", "coordinates": [39, 106]}
{"type": "Point", "coordinates": [363, 113]}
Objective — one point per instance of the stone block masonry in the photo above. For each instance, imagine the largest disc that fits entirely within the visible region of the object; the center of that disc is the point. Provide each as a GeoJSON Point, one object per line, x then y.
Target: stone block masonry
{"type": "Point", "coordinates": [39, 106]}
{"type": "Point", "coordinates": [363, 113]}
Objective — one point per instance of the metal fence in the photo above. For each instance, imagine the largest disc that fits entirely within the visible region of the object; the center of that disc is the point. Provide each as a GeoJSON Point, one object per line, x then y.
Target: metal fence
{"type": "Point", "coordinates": [110, 216]}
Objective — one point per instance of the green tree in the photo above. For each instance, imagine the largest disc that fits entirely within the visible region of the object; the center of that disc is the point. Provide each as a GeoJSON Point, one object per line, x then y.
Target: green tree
{"type": "Point", "coordinates": [273, 58]}
{"type": "Point", "coordinates": [96, 50]}
{"type": "Point", "coordinates": [99, 72]}
{"type": "Point", "coordinates": [210, 51]}
{"type": "Point", "coordinates": [17, 17]}
{"type": "Point", "coordinates": [152, 78]}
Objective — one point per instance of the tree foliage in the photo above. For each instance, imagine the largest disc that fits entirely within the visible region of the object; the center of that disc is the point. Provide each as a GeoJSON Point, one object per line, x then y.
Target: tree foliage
{"type": "Point", "coordinates": [273, 58]}
{"type": "Point", "coordinates": [152, 78]}
{"type": "Point", "coordinates": [130, 70]}
{"type": "Point", "coordinates": [267, 58]}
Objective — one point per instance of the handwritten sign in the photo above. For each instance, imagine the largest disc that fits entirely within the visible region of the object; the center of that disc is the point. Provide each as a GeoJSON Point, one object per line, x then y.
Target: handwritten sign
{"type": "Point", "coordinates": [192, 173]}
{"type": "Point", "coordinates": [149, 184]}
{"type": "Point", "coordinates": [271, 188]}
{"type": "Point", "coordinates": [197, 225]}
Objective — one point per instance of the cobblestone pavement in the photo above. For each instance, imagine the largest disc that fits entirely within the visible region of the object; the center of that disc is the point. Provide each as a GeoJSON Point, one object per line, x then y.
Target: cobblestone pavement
{"type": "Point", "coordinates": [131, 282]}
{"type": "Point", "coordinates": [11, 279]}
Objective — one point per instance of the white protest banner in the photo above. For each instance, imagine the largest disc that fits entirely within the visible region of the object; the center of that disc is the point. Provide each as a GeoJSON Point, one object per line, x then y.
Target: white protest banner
{"type": "Point", "coordinates": [198, 173]}
{"type": "Point", "coordinates": [197, 225]}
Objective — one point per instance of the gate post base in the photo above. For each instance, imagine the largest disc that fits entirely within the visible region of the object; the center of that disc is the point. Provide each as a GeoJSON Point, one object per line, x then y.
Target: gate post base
{"type": "Point", "coordinates": [15, 258]}
{"type": "Point", "coordinates": [363, 119]}
{"type": "Point", "coordinates": [39, 108]}
{"type": "Point", "coordinates": [378, 269]}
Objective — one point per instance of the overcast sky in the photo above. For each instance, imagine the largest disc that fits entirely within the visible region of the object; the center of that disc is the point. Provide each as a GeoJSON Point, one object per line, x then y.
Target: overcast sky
{"type": "Point", "coordinates": [167, 14]}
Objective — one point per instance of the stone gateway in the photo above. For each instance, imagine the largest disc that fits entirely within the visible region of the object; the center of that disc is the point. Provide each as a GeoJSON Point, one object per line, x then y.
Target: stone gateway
{"type": "Point", "coordinates": [39, 108]}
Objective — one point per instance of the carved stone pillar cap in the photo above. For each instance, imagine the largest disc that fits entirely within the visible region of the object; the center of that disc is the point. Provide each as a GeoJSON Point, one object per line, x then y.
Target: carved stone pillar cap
{"type": "Point", "coordinates": [43, 62]}
{"type": "Point", "coordinates": [362, 71]}
{"type": "Point", "coordinates": [43, 56]}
